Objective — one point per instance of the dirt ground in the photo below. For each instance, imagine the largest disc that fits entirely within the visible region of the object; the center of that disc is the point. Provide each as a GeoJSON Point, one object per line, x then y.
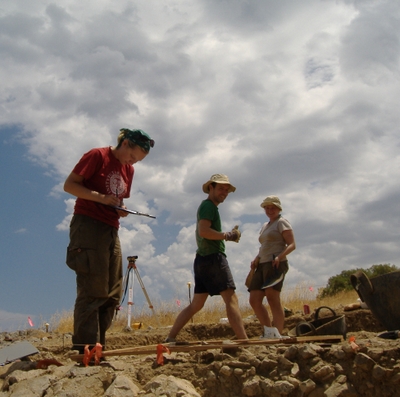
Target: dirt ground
{"type": "Point", "coordinates": [356, 321]}
{"type": "Point", "coordinates": [360, 323]}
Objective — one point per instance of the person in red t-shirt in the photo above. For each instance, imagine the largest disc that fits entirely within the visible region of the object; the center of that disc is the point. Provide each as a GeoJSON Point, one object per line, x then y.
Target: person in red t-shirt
{"type": "Point", "coordinates": [100, 181]}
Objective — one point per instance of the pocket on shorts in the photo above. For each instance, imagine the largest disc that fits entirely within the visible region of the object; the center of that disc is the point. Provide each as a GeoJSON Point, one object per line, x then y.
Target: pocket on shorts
{"type": "Point", "coordinates": [77, 259]}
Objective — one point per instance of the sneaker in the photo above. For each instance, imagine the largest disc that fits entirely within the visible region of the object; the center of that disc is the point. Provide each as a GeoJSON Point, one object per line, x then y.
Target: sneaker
{"type": "Point", "coordinates": [169, 340]}
{"type": "Point", "coordinates": [272, 333]}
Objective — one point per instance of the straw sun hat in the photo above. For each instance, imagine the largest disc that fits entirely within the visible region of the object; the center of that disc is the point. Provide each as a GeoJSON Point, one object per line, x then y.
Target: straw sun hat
{"type": "Point", "coordinates": [274, 200]}
{"type": "Point", "coordinates": [218, 178]}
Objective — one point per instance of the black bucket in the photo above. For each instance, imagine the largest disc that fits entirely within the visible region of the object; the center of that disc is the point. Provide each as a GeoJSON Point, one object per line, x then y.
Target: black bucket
{"type": "Point", "coordinates": [382, 296]}
{"type": "Point", "coordinates": [329, 325]}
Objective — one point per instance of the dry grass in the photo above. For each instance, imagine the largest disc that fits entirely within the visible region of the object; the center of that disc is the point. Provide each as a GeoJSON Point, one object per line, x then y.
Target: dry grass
{"type": "Point", "coordinates": [62, 322]}
{"type": "Point", "coordinates": [164, 313]}
{"type": "Point", "coordinates": [296, 298]}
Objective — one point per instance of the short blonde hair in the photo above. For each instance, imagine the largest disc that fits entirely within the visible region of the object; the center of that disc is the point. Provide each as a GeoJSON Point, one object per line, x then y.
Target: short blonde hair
{"type": "Point", "coordinates": [122, 137]}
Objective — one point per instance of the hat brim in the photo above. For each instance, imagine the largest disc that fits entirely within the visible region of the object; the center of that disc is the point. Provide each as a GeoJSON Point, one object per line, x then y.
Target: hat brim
{"type": "Point", "coordinates": [263, 205]}
{"type": "Point", "coordinates": [206, 186]}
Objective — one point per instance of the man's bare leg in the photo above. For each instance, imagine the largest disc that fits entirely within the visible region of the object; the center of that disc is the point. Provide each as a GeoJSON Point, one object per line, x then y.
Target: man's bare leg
{"type": "Point", "coordinates": [233, 313]}
{"type": "Point", "coordinates": [187, 313]}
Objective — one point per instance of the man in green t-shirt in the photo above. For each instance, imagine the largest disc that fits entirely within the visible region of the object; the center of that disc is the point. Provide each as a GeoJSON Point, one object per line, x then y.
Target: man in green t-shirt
{"type": "Point", "coordinates": [211, 269]}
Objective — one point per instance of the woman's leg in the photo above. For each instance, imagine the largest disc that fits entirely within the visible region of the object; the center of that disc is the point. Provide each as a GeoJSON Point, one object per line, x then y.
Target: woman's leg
{"type": "Point", "coordinates": [256, 302]}
{"type": "Point", "coordinates": [274, 301]}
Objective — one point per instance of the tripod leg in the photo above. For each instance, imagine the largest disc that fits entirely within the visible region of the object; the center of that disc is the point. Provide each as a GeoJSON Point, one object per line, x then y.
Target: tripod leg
{"type": "Point", "coordinates": [131, 282]}
{"type": "Point", "coordinates": [145, 294]}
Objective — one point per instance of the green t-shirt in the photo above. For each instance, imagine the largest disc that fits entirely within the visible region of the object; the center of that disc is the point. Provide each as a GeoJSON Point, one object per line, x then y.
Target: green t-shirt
{"type": "Point", "coordinates": [208, 210]}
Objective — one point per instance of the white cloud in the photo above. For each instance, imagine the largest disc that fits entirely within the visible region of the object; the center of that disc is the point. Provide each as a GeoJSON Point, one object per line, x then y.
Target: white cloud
{"type": "Point", "coordinates": [22, 230]}
{"type": "Point", "coordinates": [297, 99]}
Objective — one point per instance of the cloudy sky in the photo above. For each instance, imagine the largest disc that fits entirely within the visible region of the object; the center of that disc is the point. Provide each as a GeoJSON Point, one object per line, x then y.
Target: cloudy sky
{"type": "Point", "coordinates": [293, 98]}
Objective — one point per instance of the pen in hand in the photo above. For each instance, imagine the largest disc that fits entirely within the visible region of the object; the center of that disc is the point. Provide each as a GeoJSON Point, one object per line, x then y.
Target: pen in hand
{"type": "Point", "coordinates": [116, 194]}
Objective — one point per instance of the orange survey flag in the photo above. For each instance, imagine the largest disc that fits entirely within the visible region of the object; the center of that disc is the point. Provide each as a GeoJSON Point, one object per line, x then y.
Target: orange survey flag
{"type": "Point", "coordinates": [160, 350]}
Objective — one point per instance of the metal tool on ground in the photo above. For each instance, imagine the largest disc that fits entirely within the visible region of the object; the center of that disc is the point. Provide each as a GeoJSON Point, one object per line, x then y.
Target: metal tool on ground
{"type": "Point", "coordinates": [389, 334]}
{"type": "Point", "coordinates": [16, 351]}
{"type": "Point", "coordinates": [129, 283]}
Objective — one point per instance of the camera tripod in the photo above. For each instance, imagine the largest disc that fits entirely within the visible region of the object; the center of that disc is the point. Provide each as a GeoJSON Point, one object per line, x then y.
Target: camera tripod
{"type": "Point", "coordinates": [129, 283]}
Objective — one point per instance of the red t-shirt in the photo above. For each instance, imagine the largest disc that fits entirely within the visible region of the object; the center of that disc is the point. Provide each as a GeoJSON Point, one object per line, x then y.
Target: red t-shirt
{"type": "Point", "coordinates": [103, 173]}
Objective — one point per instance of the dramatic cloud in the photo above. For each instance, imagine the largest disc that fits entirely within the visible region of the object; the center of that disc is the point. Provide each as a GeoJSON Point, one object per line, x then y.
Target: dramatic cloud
{"type": "Point", "coordinates": [292, 98]}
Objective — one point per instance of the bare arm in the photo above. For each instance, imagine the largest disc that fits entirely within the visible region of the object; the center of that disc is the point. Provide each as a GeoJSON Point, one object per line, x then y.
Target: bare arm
{"type": "Point", "coordinates": [288, 236]}
{"type": "Point", "coordinates": [207, 232]}
{"type": "Point", "coordinates": [74, 185]}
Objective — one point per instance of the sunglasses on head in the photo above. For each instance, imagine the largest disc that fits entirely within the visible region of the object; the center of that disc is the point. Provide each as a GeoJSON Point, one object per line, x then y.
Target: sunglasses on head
{"type": "Point", "coordinates": [145, 139]}
{"type": "Point", "coordinates": [137, 136]}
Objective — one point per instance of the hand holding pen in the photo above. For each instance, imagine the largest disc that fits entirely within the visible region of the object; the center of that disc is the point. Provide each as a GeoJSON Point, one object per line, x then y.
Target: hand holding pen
{"type": "Point", "coordinates": [122, 214]}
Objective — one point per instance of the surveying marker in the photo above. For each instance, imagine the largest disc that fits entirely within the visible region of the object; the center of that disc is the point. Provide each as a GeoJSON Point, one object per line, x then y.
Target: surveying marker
{"type": "Point", "coordinates": [190, 297]}
{"type": "Point", "coordinates": [130, 276]}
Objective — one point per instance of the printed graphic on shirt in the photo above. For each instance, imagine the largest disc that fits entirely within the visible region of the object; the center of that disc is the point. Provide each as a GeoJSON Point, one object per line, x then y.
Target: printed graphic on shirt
{"type": "Point", "coordinates": [115, 184]}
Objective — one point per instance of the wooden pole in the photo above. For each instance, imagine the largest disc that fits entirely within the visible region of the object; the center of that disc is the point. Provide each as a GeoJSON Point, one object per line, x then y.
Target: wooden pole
{"type": "Point", "coordinates": [214, 344]}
